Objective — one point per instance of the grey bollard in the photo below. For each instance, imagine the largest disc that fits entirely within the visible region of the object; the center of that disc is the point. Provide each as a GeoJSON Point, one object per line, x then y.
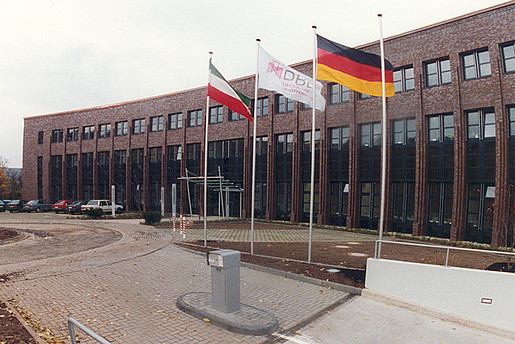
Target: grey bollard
{"type": "Point", "coordinates": [225, 280]}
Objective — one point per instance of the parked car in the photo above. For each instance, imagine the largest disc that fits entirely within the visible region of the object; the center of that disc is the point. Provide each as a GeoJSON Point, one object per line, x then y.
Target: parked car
{"type": "Point", "coordinates": [37, 205]}
{"type": "Point", "coordinates": [15, 205]}
{"type": "Point", "coordinates": [103, 204]}
{"type": "Point", "coordinates": [2, 207]}
{"type": "Point", "coordinates": [75, 207]}
{"type": "Point", "coordinates": [61, 205]}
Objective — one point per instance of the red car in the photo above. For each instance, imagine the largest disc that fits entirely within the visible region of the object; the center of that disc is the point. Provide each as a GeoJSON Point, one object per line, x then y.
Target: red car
{"type": "Point", "coordinates": [61, 205]}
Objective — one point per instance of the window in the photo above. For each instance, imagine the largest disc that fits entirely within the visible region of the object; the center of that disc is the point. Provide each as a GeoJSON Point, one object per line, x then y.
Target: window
{"type": "Point", "coordinates": [138, 126]}
{"type": "Point", "coordinates": [156, 123]}
{"type": "Point", "coordinates": [476, 64]}
{"type": "Point", "coordinates": [234, 116]}
{"type": "Point", "coordinates": [404, 131]}
{"type": "Point", "coordinates": [195, 118]}
{"type": "Point", "coordinates": [262, 106]}
{"type": "Point", "coordinates": [175, 120]}
{"type": "Point", "coordinates": [481, 124]}
{"type": "Point", "coordinates": [371, 135]}
{"type": "Point", "coordinates": [40, 138]}
{"type": "Point", "coordinates": [72, 134]}
{"type": "Point", "coordinates": [508, 57]}
{"type": "Point", "coordinates": [57, 135]}
{"type": "Point", "coordinates": [88, 132]}
{"type": "Point", "coordinates": [283, 104]}
{"type": "Point", "coordinates": [364, 96]}
{"type": "Point", "coordinates": [438, 72]}
{"type": "Point", "coordinates": [104, 131]}
{"type": "Point", "coordinates": [284, 143]}
{"type": "Point", "coordinates": [441, 128]}
{"type": "Point", "coordinates": [338, 94]}
{"type": "Point", "coordinates": [216, 114]}
{"type": "Point", "coordinates": [121, 128]}
{"type": "Point", "coordinates": [404, 79]}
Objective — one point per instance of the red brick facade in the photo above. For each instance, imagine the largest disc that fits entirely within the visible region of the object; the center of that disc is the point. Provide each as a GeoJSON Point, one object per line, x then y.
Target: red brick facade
{"type": "Point", "coordinates": [488, 28]}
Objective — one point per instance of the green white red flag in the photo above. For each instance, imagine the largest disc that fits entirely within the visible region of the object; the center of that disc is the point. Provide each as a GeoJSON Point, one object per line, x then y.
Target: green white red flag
{"type": "Point", "coordinates": [219, 90]}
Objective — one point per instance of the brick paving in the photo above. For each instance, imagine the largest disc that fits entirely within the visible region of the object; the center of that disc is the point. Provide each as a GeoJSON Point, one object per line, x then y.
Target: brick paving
{"type": "Point", "coordinates": [125, 286]}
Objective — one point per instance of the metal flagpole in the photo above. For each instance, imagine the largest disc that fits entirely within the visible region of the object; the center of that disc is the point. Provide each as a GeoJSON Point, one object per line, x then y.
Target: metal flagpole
{"type": "Point", "coordinates": [205, 154]}
{"type": "Point", "coordinates": [312, 190]}
{"type": "Point", "coordinates": [383, 148]}
{"type": "Point", "coordinates": [254, 156]}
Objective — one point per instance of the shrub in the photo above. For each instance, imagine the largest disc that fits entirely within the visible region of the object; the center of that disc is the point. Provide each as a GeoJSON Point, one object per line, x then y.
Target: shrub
{"type": "Point", "coordinates": [94, 213]}
{"type": "Point", "coordinates": [152, 217]}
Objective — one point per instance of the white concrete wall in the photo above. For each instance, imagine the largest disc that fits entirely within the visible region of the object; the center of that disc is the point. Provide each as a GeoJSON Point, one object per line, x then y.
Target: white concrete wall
{"type": "Point", "coordinates": [486, 297]}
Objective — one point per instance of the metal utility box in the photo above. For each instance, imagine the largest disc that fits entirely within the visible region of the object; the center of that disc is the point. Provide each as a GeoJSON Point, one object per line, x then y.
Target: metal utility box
{"type": "Point", "coordinates": [225, 280]}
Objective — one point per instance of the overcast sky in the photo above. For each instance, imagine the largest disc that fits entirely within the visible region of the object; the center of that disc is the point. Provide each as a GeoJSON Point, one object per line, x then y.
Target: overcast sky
{"type": "Point", "coordinates": [65, 55]}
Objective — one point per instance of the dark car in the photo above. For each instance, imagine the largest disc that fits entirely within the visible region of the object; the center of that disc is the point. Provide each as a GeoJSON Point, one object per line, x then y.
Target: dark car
{"type": "Point", "coordinates": [37, 205]}
{"type": "Point", "coordinates": [75, 207]}
{"type": "Point", "coordinates": [2, 206]}
{"type": "Point", "coordinates": [15, 205]}
{"type": "Point", "coordinates": [61, 205]}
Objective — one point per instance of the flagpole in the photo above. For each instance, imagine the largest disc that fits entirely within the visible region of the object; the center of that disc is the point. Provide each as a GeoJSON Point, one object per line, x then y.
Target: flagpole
{"type": "Point", "coordinates": [254, 155]}
{"type": "Point", "coordinates": [312, 189]}
{"type": "Point", "coordinates": [383, 150]}
{"type": "Point", "coordinates": [205, 153]}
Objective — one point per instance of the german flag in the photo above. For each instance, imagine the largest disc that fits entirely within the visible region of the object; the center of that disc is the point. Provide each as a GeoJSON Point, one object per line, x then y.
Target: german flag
{"type": "Point", "coordinates": [355, 69]}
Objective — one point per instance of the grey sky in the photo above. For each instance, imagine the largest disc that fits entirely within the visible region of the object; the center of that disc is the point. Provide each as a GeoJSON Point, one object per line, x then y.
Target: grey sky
{"type": "Point", "coordinates": [65, 54]}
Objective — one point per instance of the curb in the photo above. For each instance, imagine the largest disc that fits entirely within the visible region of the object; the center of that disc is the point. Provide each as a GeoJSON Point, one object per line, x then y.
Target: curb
{"type": "Point", "coordinates": [23, 322]}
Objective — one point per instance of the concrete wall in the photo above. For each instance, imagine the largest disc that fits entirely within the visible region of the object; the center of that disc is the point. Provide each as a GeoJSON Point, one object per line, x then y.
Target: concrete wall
{"type": "Point", "coordinates": [485, 297]}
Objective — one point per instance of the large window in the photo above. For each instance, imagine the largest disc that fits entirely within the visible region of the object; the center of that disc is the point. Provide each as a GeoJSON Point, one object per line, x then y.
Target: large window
{"type": "Point", "coordinates": [138, 126]}
{"type": "Point", "coordinates": [56, 180]}
{"type": "Point", "coordinates": [72, 134]}
{"type": "Point", "coordinates": [40, 176]}
{"type": "Point", "coordinates": [440, 167]}
{"type": "Point", "coordinates": [57, 135]}
{"type": "Point", "coordinates": [216, 114]}
{"type": "Point", "coordinates": [437, 72]}
{"type": "Point", "coordinates": [403, 174]}
{"type": "Point", "coordinates": [137, 182]}
{"type": "Point", "coordinates": [121, 128]}
{"type": "Point", "coordinates": [283, 175]}
{"type": "Point", "coordinates": [261, 176]}
{"type": "Point", "coordinates": [508, 56]}
{"type": "Point", "coordinates": [156, 123]}
{"type": "Point", "coordinates": [103, 175]}
{"type": "Point", "coordinates": [305, 173]}
{"type": "Point", "coordinates": [234, 116]}
{"type": "Point", "coordinates": [403, 79]}
{"type": "Point", "coordinates": [175, 120]}
{"type": "Point", "coordinates": [195, 118]}
{"type": "Point", "coordinates": [155, 161]}
{"type": "Point", "coordinates": [174, 172]}
{"type": "Point", "coordinates": [338, 174]}
{"type": "Point", "coordinates": [88, 132]}
{"type": "Point", "coordinates": [476, 64]}
{"type": "Point", "coordinates": [71, 176]}
{"type": "Point", "coordinates": [283, 104]}
{"type": "Point", "coordinates": [193, 168]}
{"type": "Point", "coordinates": [104, 131]}
{"type": "Point", "coordinates": [338, 94]}
{"type": "Point", "coordinates": [370, 174]}
{"type": "Point", "coordinates": [120, 175]}
{"type": "Point", "coordinates": [87, 175]}
{"type": "Point", "coordinates": [480, 174]}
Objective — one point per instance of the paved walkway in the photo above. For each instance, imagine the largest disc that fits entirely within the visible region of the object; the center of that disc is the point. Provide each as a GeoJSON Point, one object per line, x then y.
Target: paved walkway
{"type": "Point", "coordinates": [122, 280]}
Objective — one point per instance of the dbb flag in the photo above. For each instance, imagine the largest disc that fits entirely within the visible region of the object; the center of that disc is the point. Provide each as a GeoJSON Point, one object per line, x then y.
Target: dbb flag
{"type": "Point", "coordinates": [276, 76]}
{"type": "Point", "coordinates": [219, 90]}
{"type": "Point", "coordinates": [355, 69]}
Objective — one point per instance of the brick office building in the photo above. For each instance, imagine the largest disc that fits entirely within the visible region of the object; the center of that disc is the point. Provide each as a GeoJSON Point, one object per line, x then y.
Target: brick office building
{"type": "Point", "coordinates": [451, 143]}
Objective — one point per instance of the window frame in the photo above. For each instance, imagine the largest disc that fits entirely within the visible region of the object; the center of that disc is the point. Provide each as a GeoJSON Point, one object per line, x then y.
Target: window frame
{"type": "Point", "coordinates": [138, 126]}
{"type": "Point", "coordinates": [338, 94]}
{"type": "Point", "coordinates": [439, 72]}
{"type": "Point", "coordinates": [175, 120]}
{"type": "Point", "coordinates": [216, 114]}
{"type": "Point", "coordinates": [104, 130]}
{"type": "Point", "coordinates": [195, 118]}
{"type": "Point", "coordinates": [477, 64]}
{"type": "Point", "coordinates": [510, 58]}
{"type": "Point", "coordinates": [121, 128]}
{"type": "Point", "coordinates": [88, 132]}
{"type": "Point", "coordinates": [283, 104]}
{"type": "Point", "coordinates": [57, 136]}
{"type": "Point", "coordinates": [157, 123]}
{"type": "Point", "coordinates": [72, 134]}
{"type": "Point", "coordinates": [407, 83]}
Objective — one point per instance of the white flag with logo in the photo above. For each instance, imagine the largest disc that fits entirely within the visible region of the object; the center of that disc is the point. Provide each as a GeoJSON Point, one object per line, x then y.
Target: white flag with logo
{"type": "Point", "coordinates": [276, 76]}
